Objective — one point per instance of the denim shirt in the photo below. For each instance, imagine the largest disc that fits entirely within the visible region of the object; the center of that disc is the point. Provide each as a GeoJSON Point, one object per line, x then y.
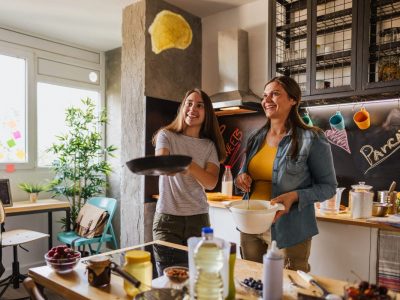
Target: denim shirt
{"type": "Point", "coordinates": [311, 174]}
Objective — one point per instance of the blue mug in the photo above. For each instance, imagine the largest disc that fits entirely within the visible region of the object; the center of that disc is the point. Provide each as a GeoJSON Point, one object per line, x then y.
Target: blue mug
{"type": "Point", "coordinates": [337, 121]}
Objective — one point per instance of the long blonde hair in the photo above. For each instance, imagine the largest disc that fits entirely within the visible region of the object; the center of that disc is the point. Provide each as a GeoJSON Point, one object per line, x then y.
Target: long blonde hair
{"type": "Point", "coordinates": [209, 128]}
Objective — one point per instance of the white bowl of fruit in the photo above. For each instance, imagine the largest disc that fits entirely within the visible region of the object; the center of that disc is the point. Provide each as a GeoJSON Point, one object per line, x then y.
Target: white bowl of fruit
{"type": "Point", "coordinates": [62, 259]}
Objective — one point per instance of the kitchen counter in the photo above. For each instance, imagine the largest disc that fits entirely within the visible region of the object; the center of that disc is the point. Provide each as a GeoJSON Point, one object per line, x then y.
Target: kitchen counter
{"type": "Point", "coordinates": [342, 218]}
{"type": "Point", "coordinates": [75, 285]}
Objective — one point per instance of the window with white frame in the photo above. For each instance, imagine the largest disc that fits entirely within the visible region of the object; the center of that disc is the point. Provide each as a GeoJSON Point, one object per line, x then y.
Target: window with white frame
{"type": "Point", "coordinates": [39, 80]}
{"type": "Point", "coordinates": [13, 109]}
{"type": "Point", "coordinates": [52, 102]}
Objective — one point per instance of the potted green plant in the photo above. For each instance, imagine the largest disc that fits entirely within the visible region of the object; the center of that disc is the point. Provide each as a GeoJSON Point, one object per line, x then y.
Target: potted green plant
{"type": "Point", "coordinates": [33, 190]}
{"type": "Point", "coordinates": [80, 166]}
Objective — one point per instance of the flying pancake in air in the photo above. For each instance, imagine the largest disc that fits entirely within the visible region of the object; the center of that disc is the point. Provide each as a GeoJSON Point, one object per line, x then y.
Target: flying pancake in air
{"type": "Point", "coordinates": [169, 30]}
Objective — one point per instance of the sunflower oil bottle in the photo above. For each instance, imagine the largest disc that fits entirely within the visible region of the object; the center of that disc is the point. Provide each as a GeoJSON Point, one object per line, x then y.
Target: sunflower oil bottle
{"type": "Point", "coordinates": [209, 261]}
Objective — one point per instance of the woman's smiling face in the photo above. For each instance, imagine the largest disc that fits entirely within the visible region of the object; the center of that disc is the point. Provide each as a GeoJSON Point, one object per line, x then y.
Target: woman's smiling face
{"type": "Point", "coordinates": [276, 101]}
{"type": "Point", "coordinates": [193, 110]}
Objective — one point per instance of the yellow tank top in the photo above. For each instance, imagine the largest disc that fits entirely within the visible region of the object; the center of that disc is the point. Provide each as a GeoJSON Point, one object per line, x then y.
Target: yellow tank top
{"type": "Point", "coordinates": [260, 169]}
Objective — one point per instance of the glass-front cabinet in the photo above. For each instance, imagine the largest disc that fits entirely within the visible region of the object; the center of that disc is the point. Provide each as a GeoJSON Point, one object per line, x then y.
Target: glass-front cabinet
{"type": "Point", "coordinates": [382, 31]}
{"type": "Point", "coordinates": [336, 48]}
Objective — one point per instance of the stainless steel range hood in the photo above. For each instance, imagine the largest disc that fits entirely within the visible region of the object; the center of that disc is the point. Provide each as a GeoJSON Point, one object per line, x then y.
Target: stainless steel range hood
{"type": "Point", "coordinates": [233, 65]}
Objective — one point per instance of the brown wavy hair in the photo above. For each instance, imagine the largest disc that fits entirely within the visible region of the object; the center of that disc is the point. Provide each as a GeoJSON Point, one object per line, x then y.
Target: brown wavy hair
{"type": "Point", "coordinates": [209, 128]}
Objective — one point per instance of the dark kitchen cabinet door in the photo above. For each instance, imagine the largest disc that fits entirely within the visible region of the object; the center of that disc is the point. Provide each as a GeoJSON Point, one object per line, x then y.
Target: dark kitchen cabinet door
{"type": "Point", "coordinates": [315, 42]}
{"type": "Point", "coordinates": [381, 51]}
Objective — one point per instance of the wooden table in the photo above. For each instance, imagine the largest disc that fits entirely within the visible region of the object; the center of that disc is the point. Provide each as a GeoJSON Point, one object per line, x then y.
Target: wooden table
{"type": "Point", "coordinates": [41, 206]}
{"type": "Point", "coordinates": [74, 285]}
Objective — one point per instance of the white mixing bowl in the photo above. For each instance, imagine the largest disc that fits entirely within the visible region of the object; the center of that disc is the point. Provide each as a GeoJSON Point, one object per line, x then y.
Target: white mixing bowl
{"type": "Point", "coordinates": [255, 219]}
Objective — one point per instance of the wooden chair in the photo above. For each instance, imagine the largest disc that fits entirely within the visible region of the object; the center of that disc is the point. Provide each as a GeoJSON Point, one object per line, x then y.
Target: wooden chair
{"type": "Point", "coordinates": [71, 238]}
{"type": "Point", "coordinates": [15, 238]}
{"type": "Point", "coordinates": [32, 289]}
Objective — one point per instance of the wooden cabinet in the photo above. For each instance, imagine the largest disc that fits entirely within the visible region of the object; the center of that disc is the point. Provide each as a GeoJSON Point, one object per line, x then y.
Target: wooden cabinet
{"type": "Point", "coordinates": [337, 48]}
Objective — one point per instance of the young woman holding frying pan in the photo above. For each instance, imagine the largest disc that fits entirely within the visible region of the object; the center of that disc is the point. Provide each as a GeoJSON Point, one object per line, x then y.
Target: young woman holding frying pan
{"type": "Point", "coordinates": [182, 208]}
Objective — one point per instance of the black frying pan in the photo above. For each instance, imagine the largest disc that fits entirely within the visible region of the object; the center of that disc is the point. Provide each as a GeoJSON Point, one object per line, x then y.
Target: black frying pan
{"type": "Point", "coordinates": [159, 165]}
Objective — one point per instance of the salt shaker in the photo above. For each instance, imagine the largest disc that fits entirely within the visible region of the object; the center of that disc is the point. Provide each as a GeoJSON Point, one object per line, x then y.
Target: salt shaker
{"type": "Point", "coordinates": [273, 273]}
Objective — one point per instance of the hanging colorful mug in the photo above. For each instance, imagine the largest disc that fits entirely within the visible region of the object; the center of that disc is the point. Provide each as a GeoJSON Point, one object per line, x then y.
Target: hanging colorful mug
{"type": "Point", "coordinates": [337, 121]}
{"type": "Point", "coordinates": [307, 120]}
{"type": "Point", "coordinates": [362, 119]}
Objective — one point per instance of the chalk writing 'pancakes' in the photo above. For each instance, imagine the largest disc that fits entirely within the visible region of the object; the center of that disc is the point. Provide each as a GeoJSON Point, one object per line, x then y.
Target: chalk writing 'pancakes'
{"type": "Point", "coordinates": [376, 156]}
{"type": "Point", "coordinates": [338, 138]}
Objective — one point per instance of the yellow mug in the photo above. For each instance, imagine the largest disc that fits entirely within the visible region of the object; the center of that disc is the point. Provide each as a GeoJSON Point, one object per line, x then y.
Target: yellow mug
{"type": "Point", "coordinates": [362, 119]}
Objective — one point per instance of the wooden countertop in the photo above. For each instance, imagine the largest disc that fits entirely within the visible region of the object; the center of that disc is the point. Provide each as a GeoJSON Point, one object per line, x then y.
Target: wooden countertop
{"type": "Point", "coordinates": [345, 218]}
{"type": "Point", "coordinates": [74, 285]}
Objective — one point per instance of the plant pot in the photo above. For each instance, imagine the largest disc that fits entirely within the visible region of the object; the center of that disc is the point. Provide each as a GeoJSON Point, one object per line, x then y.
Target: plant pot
{"type": "Point", "coordinates": [33, 197]}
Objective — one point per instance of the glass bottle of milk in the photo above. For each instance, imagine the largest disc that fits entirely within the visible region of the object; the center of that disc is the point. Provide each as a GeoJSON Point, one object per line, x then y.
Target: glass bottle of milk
{"type": "Point", "coordinates": [227, 182]}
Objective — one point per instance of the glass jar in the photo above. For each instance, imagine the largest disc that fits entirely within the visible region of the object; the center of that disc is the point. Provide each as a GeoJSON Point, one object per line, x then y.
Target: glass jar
{"type": "Point", "coordinates": [362, 194]}
{"type": "Point", "coordinates": [99, 271]}
{"type": "Point", "coordinates": [138, 264]}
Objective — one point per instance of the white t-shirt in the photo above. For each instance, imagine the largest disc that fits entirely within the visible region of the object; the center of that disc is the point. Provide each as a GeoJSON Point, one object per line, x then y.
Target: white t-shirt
{"type": "Point", "coordinates": [182, 194]}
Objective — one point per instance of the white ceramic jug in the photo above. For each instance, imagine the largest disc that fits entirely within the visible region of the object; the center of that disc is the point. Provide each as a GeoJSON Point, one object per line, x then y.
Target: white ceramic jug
{"type": "Point", "coordinates": [332, 205]}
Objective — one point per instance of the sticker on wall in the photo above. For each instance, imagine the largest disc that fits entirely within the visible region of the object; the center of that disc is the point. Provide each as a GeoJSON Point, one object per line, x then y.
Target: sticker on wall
{"type": "Point", "coordinates": [20, 154]}
{"type": "Point", "coordinates": [11, 143]}
{"type": "Point", "coordinates": [338, 138]}
{"type": "Point", "coordinates": [12, 124]}
{"type": "Point", "coordinates": [10, 168]}
{"type": "Point", "coordinates": [17, 134]}
{"type": "Point", "coordinates": [169, 30]}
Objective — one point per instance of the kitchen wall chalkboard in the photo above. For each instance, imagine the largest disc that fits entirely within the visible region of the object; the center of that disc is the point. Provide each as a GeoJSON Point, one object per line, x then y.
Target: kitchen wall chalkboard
{"type": "Point", "coordinates": [370, 155]}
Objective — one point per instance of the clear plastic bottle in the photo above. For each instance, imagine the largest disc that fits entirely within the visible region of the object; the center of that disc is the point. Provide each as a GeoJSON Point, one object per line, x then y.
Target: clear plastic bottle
{"type": "Point", "coordinates": [227, 182]}
{"type": "Point", "coordinates": [273, 273]}
{"type": "Point", "coordinates": [138, 264]}
{"type": "Point", "coordinates": [209, 261]}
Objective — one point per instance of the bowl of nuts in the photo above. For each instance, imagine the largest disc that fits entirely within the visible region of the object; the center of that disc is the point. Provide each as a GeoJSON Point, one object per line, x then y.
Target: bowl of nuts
{"type": "Point", "coordinates": [177, 274]}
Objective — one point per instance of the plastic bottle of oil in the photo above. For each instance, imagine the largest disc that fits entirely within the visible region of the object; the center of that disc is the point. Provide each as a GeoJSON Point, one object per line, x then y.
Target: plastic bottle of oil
{"type": "Point", "coordinates": [209, 261]}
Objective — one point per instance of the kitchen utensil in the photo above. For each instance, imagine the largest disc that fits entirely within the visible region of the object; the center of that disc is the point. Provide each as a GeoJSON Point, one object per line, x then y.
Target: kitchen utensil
{"type": "Point", "coordinates": [253, 216]}
{"type": "Point", "coordinates": [382, 196]}
{"type": "Point", "coordinates": [380, 209]}
{"type": "Point", "coordinates": [332, 205]}
{"type": "Point", "coordinates": [152, 293]}
{"type": "Point", "coordinates": [164, 294]}
{"type": "Point", "coordinates": [392, 187]}
{"type": "Point", "coordinates": [294, 283]}
{"type": "Point", "coordinates": [308, 278]}
{"type": "Point", "coordinates": [360, 201]}
{"type": "Point", "coordinates": [159, 165]}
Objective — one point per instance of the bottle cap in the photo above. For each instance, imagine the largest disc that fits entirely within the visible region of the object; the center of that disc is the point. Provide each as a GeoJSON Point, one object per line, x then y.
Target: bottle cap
{"type": "Point", "coordinates": [137, 256]}
{"type": "Point", "coordinates": [207, 230]}
{"type": "Point", "coordinates": [233, 248]}
{"type": "Point", "coordinates": [274, 251]}
{"type": "Point", "coordinates": [228, 166]}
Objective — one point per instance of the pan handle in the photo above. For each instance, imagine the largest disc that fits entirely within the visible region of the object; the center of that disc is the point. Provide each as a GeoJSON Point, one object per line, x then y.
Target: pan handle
{"type": "Point", "coordinates": [136, 283]}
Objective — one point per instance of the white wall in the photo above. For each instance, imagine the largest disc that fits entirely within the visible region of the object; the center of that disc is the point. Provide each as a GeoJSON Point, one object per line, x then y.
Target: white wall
{"type": "Point", "coordinates": [253, 18]}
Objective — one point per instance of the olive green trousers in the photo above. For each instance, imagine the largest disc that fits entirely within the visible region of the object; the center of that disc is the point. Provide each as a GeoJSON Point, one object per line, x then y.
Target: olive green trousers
{"type": "Point", "coordinates": [177, 229]}
{"type": "Point", "coordinates": [254, 246]}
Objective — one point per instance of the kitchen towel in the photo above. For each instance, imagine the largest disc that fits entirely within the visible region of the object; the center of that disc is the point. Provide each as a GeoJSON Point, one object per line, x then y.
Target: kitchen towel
{"type": "Point", "coordinates": [388, 267]}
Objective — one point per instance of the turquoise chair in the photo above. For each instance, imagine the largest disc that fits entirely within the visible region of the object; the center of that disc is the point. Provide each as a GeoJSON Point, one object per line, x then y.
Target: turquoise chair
{"type": "Point", "coordinates": [70, 237]}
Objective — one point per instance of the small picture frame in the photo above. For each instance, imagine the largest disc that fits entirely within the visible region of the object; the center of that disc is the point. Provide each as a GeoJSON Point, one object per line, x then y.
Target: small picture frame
{"type": "Point", "coordinates": [5, 192]}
